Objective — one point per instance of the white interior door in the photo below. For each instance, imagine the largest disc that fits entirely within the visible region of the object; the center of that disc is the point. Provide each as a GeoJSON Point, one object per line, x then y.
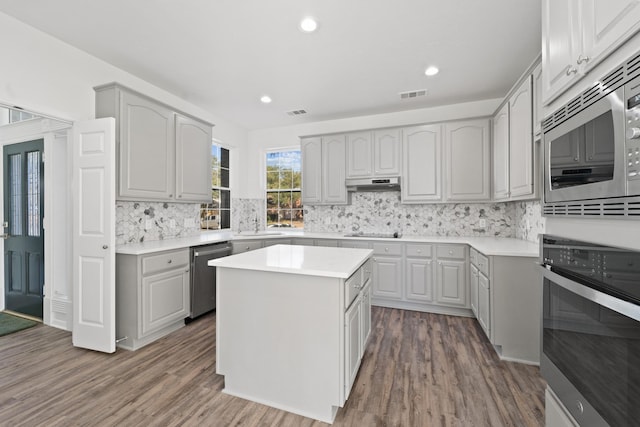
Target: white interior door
{"type": "Point", "coordinates": [93, 193]}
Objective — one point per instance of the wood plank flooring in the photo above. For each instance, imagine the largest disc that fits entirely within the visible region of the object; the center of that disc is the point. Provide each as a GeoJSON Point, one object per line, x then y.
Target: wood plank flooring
{"type": "Point", "coordinates": [419, 369]}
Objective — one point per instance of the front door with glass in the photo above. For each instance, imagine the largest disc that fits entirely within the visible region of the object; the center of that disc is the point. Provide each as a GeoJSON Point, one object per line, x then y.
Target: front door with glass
{"type": "Point", "coordinates": [23, 231]}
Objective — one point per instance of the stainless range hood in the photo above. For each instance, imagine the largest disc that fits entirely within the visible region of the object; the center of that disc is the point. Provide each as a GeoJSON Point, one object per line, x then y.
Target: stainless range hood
{"type": "Point", "coordinates": [391, 183]}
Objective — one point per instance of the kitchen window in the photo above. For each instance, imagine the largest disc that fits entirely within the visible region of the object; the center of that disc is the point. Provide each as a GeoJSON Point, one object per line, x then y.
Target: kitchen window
{"type": "Point", "coordinates": [217, 214]}
{"type": "Point", "coordinates": [284, 195]}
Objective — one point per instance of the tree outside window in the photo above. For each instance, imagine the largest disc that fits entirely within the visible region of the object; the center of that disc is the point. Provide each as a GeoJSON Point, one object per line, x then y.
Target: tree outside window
{"type": "Point", "coordinates": [217, 214]}
{"type": "Point", "coordinates": [284, 195]}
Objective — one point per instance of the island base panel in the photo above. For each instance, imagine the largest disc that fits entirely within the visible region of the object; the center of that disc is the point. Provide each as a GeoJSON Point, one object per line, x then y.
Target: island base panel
{"type": "Point", "coordinates": [279, 339]}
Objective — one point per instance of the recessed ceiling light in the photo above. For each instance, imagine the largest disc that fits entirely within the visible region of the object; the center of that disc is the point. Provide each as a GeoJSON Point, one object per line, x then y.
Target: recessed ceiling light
{"type": "Point", "coordinates": [265, 99]}
{"type": "Point", "coordinates": [308, 25]}
{"type": "Point", "coordinates": [431, 71]}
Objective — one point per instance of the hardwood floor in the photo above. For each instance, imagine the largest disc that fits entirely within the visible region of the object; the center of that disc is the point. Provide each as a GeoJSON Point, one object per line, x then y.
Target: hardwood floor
{"type": "Point", "coordinates": [419, 369]}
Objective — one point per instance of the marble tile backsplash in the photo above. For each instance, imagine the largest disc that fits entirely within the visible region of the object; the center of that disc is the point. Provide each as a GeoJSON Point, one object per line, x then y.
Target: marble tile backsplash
{"type": "Point", "coordinates": [247, 213]}
{"type": "Point", "coordinates": [530, 222]}
{"type": "Point", "coordinates": [369, 212]}
{"type": "Point", "coordinates": [145, 221]}
{"type": "Point", "coordinates": [382, 212]}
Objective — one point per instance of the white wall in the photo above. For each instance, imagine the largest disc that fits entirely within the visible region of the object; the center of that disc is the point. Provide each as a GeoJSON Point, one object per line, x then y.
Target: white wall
{"type": "Point", "coordinates": [42, 74]}
{"type": "Point", "coordinates": [252, 182]}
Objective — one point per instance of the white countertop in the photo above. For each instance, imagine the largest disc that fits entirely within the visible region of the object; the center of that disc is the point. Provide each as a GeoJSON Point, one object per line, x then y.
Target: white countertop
{"type": "Point", "coordinates": [306, 260]}
{"type": "Point", "coordinates": [490, 246]}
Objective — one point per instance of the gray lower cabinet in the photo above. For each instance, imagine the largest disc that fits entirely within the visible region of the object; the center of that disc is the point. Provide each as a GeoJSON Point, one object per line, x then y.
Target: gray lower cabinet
{"type": "Point", "coordinates": [152, 296]}
{"type": "Point", "coordinates": [484, 304]}
{"type": "Point", "coordinates": [271, 242]}
{"type": "Point", "coordinates": [387, 270]}
{"type": "Point", "coordinates": [451, 275]}
{"type": "Point", "coordinates": [473, 288]}
{"type": "Point", "coordinates": [509, 299]}
{"type": "Point", "coordinates": [418, 272]}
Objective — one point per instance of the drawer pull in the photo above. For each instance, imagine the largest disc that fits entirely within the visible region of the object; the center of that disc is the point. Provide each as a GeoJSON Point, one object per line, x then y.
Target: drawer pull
{"type": "Point", "coordinates": [105, 246]}
{"type": "Point", "coordinates": [450, 252]}
{"type": "Point", "coordinates": [419, 251]}
{"type": "Point", "coordinates": [169, 261]}
{"type": "Point", "coordinates": [386, 249]}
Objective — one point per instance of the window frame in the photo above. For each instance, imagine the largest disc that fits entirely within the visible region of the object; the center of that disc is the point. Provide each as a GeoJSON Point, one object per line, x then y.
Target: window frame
{"type": "Point", "coordinates": [291, 210]}
{"type": "Point", "coordinates": [206, 208]}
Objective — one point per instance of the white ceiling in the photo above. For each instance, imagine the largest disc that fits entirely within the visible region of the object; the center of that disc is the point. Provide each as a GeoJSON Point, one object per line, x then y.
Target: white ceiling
{"type": "Point", "coordinates": [223, 55]}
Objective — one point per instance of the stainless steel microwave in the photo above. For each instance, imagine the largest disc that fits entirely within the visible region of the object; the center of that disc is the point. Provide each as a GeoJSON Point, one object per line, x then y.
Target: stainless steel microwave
{"type": "Point", "coordinates": [592, 144]}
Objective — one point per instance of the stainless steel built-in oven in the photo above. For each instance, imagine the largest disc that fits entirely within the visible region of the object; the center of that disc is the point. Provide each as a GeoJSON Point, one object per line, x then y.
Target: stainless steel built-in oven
{"type": "Point", "coordinates": [592, 144]}
{"type": "Point", "coordinates": [591, 330]}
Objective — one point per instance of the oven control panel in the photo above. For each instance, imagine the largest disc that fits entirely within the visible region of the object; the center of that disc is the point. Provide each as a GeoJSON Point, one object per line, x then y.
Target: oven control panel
{"type": "Point", "coordinates": [632, 137]}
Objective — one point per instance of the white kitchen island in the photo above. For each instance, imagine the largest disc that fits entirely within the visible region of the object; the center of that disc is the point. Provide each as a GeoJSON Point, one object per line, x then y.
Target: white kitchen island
{"type": "Point", "coordinates": [292, 323]}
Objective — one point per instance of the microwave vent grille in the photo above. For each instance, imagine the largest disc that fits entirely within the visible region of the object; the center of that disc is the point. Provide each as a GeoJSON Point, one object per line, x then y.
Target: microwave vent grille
{"type": "Point", "coordinates": [574, 105]}
{"type": "Point", "coordinates": [627, 208]}
{"type": "Point", "coordinates": [633, 66]}
{"type": "Point", "coordinates": [604, 86]}
{"type": "Point", "coordinates": [613, 80]}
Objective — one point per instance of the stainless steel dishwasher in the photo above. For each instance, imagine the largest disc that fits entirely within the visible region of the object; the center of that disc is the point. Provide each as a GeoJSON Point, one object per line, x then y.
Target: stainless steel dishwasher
{"type": "Point", "coordinates": [203, 277]}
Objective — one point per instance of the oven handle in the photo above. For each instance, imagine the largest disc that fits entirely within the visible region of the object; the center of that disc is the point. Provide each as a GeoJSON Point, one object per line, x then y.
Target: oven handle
{"type": "Point", "coordinates": [618, 305]}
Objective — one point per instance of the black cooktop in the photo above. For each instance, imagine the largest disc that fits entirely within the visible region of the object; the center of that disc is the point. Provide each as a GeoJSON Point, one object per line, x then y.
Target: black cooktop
{"type": "Point", "coordinates": [395, 235]}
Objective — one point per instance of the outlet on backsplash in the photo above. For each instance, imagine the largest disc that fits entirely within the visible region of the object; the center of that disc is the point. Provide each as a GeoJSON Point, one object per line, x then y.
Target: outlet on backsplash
{"type": "Point", "coordinates": [172, 223]}
{"type": "Point", "coordinates": [482, 223]}
{"type": "Point", "coordinates": [148, 224]}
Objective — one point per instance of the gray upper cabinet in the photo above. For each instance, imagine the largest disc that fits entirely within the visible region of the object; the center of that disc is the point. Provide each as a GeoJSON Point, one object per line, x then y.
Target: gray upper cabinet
{"type": "Point", "coordinates": [521, 174]}
{"type": "Point", "coordinates": [359, 155]}
{"type": "Point", "coordinates": [193, 166]}
{"type": "Point", "coordinates": [311, 150]}
{"type": "Point", "coordinates": [334, 190]}
{"type": "Point", "coordinates": [373, 153]}
{"type": "Point", "coordinates": [467, 160]}
{"type": "Point", "coordinates": [162, 155]}
{"type": "Point", "coordinates": [145, 149]}
{"type": "Point", "coordinates": [421, 164]}
{"type": "Point", "coordinates": [323, 170]}
{"type": "Point", "coordinates": [386, 152]}
{"type": "Point", "coordinates": [501, 154]}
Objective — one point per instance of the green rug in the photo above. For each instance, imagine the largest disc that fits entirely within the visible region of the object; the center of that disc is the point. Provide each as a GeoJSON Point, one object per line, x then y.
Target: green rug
{"type": "Point", "coordinates": [10, 324]}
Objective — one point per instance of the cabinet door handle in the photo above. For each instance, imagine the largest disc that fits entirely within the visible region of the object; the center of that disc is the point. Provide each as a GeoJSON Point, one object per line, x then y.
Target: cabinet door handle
{"type": "Point", "coordinates": [105, 246]}
{"type": "Point", "coordinates": [582, 59]}
{"type": "Point", "coordinates": [575, 159]}
{"type": "Point", "coordinates": [571, 70]}
{"type": "Point", "coordinates": [170, 195]}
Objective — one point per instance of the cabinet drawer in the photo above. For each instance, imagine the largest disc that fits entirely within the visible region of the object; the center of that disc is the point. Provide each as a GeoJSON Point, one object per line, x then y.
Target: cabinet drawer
{"type": "Point", "coordinates": [352, 287]}
{"type": "Point", "coordinates": [473, 256]}
{"type": "Point", "coordinates": [355, 244]}
{"type": "Point", "coordinates": [418, 250]}
{"type": "Point", "coordinates": [483, 264]}
{"type": "Point", "coordinates": [245, 246]}
{"type": "Point", "coordinates": [451, 251]}
{"type": "Point", "coordinates": [380, 248]}
{"type": "Point", "coordinates": [164, 261]}
{"type": "Point", "coordinates": [367, 268]}
{"type": "Point", "coordinates": [327, 243]}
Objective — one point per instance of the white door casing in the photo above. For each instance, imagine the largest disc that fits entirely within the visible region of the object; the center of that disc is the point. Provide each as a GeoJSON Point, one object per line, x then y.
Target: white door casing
{"type": "Point", "coordinates": [93, 194]}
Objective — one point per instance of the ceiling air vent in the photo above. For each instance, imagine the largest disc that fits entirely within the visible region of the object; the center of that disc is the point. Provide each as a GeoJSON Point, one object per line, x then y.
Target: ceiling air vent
{"type": "Point", "coordinates": [296, 112]}
{"type": "Point", "coordinates": [412, 94]}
